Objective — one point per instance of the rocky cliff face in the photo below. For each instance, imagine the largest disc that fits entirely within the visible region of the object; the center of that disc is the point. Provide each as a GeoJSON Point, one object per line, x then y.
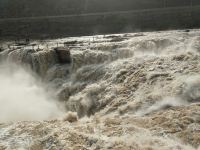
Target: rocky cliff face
{"type": "Point", "coordinates": [128, 91]}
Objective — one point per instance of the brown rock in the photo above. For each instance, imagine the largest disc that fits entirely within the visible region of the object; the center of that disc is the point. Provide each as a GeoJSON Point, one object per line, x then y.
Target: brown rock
{"type": "Point", "coordinates": [63, 54]}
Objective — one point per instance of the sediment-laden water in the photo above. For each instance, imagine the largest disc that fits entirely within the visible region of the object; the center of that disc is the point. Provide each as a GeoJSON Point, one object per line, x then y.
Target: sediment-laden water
{"type": "Point", "coordinates": [138, 91]}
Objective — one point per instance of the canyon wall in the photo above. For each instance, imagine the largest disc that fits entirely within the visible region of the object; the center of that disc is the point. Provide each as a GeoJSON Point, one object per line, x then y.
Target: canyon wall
{"type": "Point", "coordinates": [101, 23]}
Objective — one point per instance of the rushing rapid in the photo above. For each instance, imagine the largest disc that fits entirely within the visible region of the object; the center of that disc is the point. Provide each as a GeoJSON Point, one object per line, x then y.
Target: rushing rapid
{"type": "Point", "coordinates": [137, 91]}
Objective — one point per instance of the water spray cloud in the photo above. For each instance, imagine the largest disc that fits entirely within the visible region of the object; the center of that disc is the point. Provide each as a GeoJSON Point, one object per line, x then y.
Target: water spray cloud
{"type": "Point", "coordinates": [22, 98]}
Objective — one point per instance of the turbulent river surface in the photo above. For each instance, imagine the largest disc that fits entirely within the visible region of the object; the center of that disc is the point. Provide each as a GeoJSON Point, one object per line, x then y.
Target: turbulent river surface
{"type": "Point", "coordinates": [134, 91]}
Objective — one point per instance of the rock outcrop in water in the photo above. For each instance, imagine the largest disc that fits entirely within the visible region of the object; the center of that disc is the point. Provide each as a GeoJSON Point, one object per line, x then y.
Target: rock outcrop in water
{"type": "Point", "coordinates": [140, 93]}
{"type": "Point", "coordinates": [63, 54]}
{"type": "Point", "coordinates": [38, 60]}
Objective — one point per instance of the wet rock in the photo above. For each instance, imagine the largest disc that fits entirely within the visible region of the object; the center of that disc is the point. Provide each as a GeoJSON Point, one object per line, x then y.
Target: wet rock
{"type": "Point", "coordinates": [68, 43]}
{"type": "Point", "coordinates": [187, 30]}
{"type": "Point", "coordinates": [63, 54]}
{"type": "Point", "coordinates": [42, 61]}
{"type": "Point", "coordinates": [1, 49]}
